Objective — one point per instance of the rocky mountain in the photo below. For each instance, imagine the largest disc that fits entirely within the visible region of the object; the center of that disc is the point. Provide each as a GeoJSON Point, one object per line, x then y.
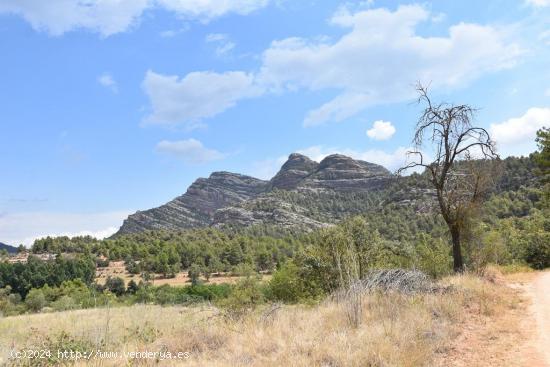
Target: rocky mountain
{"type": "Point", "coordinates": [303, 193]}
{"type": "Point", "coordinates": [10, 249]}
{"type": "Point", "coordinates": [198, 205]}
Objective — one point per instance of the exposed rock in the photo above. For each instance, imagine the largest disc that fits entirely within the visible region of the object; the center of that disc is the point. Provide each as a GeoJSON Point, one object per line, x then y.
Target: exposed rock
{"type": "Point", "coordinates": [338, 172]}
{"type": "Point", "coordinates": [296, 168]}
{"type": "Point", "coordinates": [197, 206]}
{"type": "Point", "coordinates": [237, 200]}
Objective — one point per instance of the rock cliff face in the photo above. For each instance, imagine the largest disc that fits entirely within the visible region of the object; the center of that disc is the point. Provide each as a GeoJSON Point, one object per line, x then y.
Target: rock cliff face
{"type": "Point", "coordinates": [341, 173]}
{"type": "Point", "coordinates": [294, 171]}
{"type": "Point", "coordinates": [197, 206]}
{"type": "Point", "coordinates": [229, 199]}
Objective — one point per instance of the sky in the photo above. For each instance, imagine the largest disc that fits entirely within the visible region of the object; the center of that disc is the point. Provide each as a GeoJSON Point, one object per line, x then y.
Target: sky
{"type": "Point", "coordinates": [113, 106]}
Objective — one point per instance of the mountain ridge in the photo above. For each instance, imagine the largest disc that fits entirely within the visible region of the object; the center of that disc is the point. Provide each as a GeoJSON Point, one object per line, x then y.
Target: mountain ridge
{"type": "Point", "coordinates": [10, 249]}
{"type": "Point", "coordinates": [226, 198]}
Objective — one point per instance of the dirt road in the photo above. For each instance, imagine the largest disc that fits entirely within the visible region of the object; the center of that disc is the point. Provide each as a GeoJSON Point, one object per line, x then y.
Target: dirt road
{"type": "Point", "coordinates": [540, 292]}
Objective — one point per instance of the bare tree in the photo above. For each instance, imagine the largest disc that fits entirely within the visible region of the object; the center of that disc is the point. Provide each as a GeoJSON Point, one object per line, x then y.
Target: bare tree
{"type": "Point", "coordinates": [460, 181]}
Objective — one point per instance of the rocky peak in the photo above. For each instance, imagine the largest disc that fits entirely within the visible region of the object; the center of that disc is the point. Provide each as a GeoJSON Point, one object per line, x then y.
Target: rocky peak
{"type": "Point", "coordinates": [347, 165]}
{"type": "Point", "coordinates": [342, 173]}
{"type": "Point", "coordinates": [295, 169]}
{"type": "Point", "coordinates": [231, 198]}
{"type": "Point", "coordinates": [197, 206]}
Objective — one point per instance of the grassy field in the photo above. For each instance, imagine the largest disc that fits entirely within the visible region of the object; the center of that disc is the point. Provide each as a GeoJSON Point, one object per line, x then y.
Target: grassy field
{"type": "Point", "coordinates": [396, 330]}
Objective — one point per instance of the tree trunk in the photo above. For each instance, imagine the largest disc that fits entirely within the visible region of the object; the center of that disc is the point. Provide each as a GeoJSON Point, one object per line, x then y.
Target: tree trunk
{"type": "Point", "coordinates": [458, 265]}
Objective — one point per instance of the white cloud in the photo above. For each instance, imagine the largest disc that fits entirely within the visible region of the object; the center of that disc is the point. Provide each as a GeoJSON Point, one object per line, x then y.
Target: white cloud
{"type": "Point", "coordinates": [107, 81]}
{"type": "Point", "coordinates": [392, 160]}
{"type": "Point", "coordinates": [380, 59]}
{"type": "Point", "coordinates": [59, 16]}
{"type": "Point", "coordinates": [109, 17]}
{"type": "Point", "coordinates": [381, 130]}
{"type": "Point", "coordinates": [267, 168]}
{"type": "Point", "coordinates": [209, 9]}
{"type": "Point", "coordinates": [24, 228]}
{"type": "Point", "coordinates": [538, 3]}
{"type": "Point", "coordinates": [517, 135]}
{"type": "Point", "coordinates": [190, 151]}
{"type": "Point", "coordinates": [545, 37]}
{"type": "Point", "coordinates": [223, 44]}
{"type": "Point", "coordinates": [216, 37]}
{"type": "Point", "coordinates": [174, 32]}
{"type": "Point", "coordinates": [196, 96]}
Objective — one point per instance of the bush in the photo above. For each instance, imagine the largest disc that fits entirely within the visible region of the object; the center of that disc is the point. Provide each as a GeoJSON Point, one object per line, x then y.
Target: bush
{"type": "Point", "coordinates": [245, 296]}
{"type": "Point", "coordinates": [194, 274]}
{"type": "Point", "coordinates": [537, 253]}
{"type": "Point", "coordinates": [64, 303]}
{"type": "Point", "coordinates": [434, 256]}
{"type": "Point", "coordinates": [115, 285]}
{"type": "Point", "coordinates": [288, 285]}
{"type": "Point", "coordinates": [35, 300]}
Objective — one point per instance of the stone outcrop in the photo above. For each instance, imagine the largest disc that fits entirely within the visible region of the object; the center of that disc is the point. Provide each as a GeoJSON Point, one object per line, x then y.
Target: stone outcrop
{"type": "Point", "coordinates": [197, 206]}
{"type": "Point", "coordinates": [294, 171]}
{"type": "Point", "coordinates": [341, 173]}
{"type": "Point", "coordinates": [237, 200]}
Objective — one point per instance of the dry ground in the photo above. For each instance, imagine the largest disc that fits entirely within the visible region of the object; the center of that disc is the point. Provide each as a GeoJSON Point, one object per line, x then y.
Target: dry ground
{"type": "Point", "coordinates": [450, 329]}
{"type": "Point", "coordinates": [514, 334]}
{"type": "Point", "coordinates": [118, 269]}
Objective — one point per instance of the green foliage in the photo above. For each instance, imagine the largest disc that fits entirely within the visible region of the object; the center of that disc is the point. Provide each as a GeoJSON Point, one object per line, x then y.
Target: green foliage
{"type": "Point", "coordinates": [290, 285]}
{"type": "Point", "coordinates": [433, 256]}
{"type": "Point", "coordinates": [194, 274]}
{"type": "Point", "coordinates": [64, 303]}
{"type": "Point", "coordinates": [37, 273]}
{"type": "Point", "coordinates": [537, 253]}
{"type": "Point", "coordinates": [115, 285]}
{"type": "Point", "coordinates": [132, 287]}
{"type": "Point", "coordinates": [35, 300]}
{"type": "Point", "coordinates": [244, 297]}
{"type": "Point", "coordinates": [542, 157]}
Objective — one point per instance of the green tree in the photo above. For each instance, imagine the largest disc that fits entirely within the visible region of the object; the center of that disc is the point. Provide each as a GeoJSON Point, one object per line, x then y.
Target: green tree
{"type": "Point", "coordinates": [194, 274]}
{"type": "Point", "coordinates": [115, 285]}
{"type": "Point", "coordinates": [132, 287]}
{"type": "Point", "coordinates": [542, 157]}
{"type": "Point", "coordinates": [35, 300]}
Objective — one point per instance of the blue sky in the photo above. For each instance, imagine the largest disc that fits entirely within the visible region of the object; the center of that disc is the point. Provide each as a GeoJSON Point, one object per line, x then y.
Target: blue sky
{"type": "Point", "coordinates": [113, 106]}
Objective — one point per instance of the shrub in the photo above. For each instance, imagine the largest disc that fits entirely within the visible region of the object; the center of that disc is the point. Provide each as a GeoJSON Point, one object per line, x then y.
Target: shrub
{"type": "Point", "coordinates": [35, 300]}
{"type": "Point", "coordinates": [245, 296]}
{"type": "Point", "coordinates": [434, 256]}
{"type": "Point", "coordinates": [64, 303]}
{"type": "Point", "coordinates": [537, 253]}
{"type": "Point", "coordinates": [289, 285]}
{"type": "Point", "coordinates": [132, 287]}
{"type": "Point", "coordinates": [194, 274]}
{"type": "Point", "coordinates": [115, 285]}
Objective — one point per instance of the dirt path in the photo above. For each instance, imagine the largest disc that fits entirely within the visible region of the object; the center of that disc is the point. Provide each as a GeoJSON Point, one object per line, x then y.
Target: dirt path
{"type": "Point", "coordinates": [518, 335]}
{"type": "Point", "coordinates": [540, 292]}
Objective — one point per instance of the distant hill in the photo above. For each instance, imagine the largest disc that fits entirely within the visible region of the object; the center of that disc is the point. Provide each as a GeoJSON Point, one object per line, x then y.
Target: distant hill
{"type": "Point", "coordinates": [10, 249]}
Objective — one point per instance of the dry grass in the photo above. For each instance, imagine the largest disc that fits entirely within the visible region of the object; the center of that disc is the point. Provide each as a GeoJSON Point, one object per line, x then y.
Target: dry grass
{"type": "Point", "coordinates": [397, 330]}
{"type": "Point", "coordinates": [493, 328]}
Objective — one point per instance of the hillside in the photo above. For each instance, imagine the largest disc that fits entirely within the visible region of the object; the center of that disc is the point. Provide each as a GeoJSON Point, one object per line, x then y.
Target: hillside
{"type": "Point", "coordinates": [10, 249]}
{"type": "Point", "coordinates": [295, 197]}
